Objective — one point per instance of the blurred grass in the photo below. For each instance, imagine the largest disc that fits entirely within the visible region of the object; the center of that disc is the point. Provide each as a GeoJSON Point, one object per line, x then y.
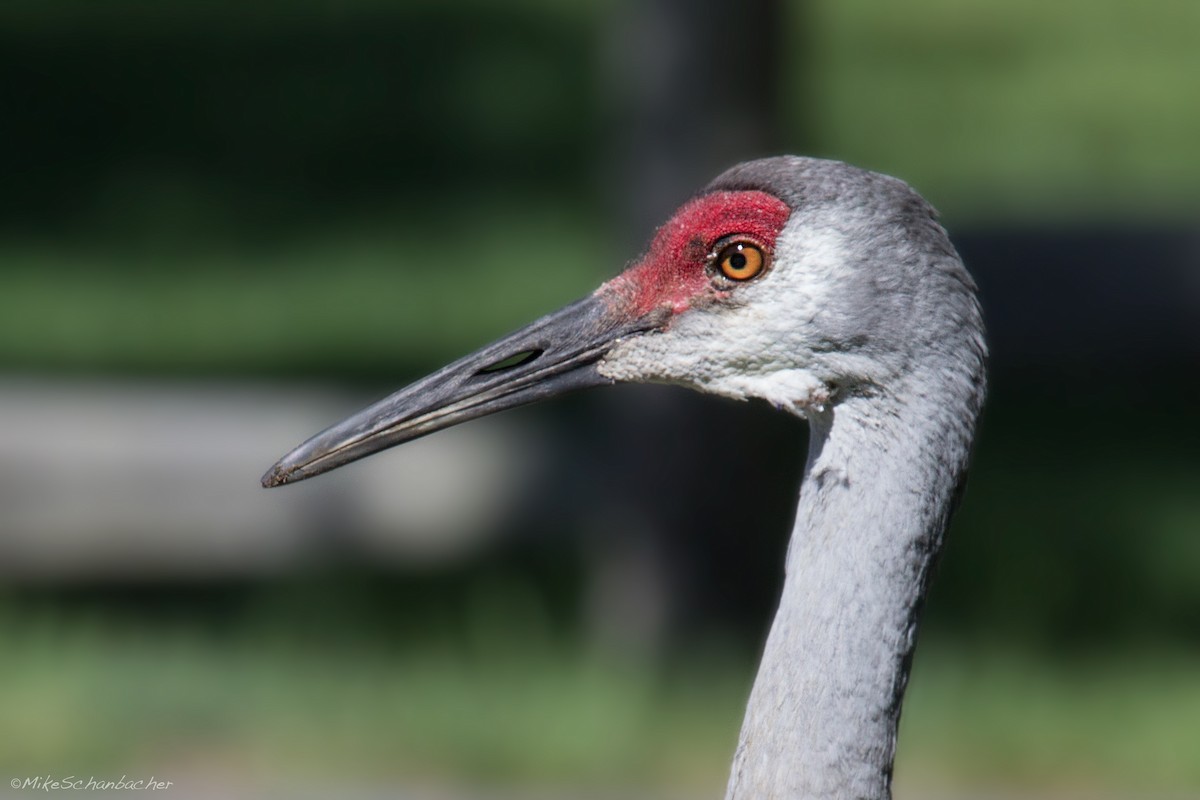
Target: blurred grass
{"type": "Point", "coordinates": [530, 712]}
{"type": "Point", "coordinates": [491, 711]}
{"type": "Point", "coordinates": [1090, 722]}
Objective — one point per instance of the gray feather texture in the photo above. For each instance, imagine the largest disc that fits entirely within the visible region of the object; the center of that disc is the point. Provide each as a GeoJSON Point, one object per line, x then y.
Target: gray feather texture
{"type": "Point", "coordinates": [869, 326]}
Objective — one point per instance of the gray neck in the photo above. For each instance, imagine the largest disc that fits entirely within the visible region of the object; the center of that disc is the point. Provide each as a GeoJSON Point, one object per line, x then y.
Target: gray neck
{"type": "Point", "coordinates": [876, 498]}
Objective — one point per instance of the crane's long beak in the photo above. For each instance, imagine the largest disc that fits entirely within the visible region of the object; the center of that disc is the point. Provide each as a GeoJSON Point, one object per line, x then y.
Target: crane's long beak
{"type": "Point", "coordinates": [555, 354]}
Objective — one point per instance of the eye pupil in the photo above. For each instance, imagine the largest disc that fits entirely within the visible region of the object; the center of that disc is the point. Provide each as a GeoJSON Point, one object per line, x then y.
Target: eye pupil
{"type": "Point", "coordinates": [738, 261]}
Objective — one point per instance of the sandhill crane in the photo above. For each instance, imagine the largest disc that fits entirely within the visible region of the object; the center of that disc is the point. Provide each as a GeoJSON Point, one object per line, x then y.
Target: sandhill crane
{"type": "Point", "coordinates": [832, 293]}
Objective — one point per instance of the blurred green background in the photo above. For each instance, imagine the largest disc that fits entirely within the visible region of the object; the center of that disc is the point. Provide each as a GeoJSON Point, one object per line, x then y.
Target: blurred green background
{"type": "Point", "coordinates": [216, 212]}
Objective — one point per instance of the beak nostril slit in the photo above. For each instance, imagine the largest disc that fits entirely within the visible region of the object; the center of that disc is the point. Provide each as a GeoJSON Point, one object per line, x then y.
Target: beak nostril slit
{"type": "Point", "coordinates": [516, 360]}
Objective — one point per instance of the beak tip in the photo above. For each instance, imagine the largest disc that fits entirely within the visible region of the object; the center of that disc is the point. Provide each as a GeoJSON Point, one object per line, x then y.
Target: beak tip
{"type": "Point", "coordinates": [277, 475]}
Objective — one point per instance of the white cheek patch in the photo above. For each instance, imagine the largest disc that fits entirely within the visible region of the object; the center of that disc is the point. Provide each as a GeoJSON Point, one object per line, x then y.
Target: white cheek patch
{"type": "Point", "coordinates": [758, 346]}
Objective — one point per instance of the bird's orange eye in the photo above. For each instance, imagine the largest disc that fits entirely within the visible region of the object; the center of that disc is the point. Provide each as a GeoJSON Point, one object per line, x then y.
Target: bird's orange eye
{"type": "Point", "coordinates": [741, 261]}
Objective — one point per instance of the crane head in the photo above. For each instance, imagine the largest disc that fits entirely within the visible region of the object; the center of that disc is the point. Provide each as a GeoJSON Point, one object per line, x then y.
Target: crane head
{"type": "Point", "coordinates": [789, 279]}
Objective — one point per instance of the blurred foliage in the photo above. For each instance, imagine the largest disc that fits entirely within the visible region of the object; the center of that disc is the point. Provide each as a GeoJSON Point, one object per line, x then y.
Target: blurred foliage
{"type": "Point", "coordinates": [362, 190]}
{"type": "Point", "coordinates": [1075, 531]}
{"type": "Point", "coordinates": [1045, 112]}
{"type": "Point", "coordinates": [182, 180]}
{"type": "Point", "coordinates": [137, 121]}
{"type": "Point", "coordinates": [358, 306]}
